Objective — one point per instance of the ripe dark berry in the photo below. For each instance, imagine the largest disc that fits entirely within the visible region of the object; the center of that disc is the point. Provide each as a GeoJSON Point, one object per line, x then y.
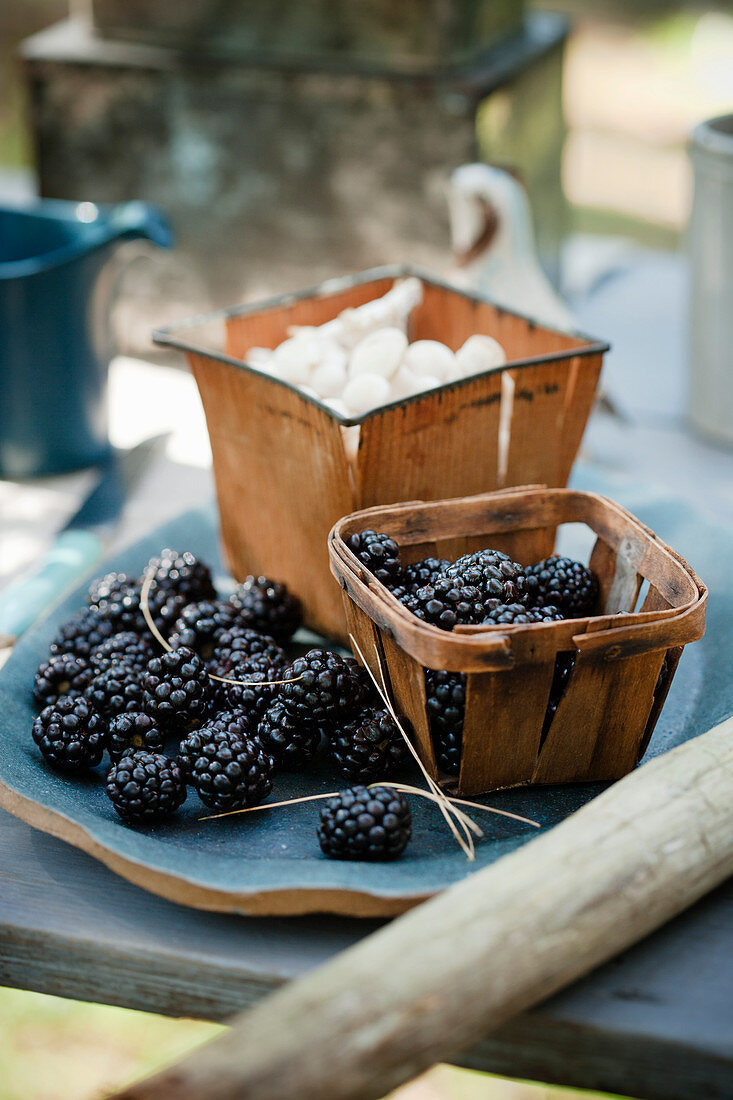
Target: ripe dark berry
{"type": "Point", "coordinates": [291, 742]}
{"type": "Point", "coordinates": [446, 709]}
{"type": "Point", "coordinates": [269, 607]}
{"type": "Point", "coordinates": [419, 573]}
{"type": "Point", "coordinates": [495, 575]}
{"type": "Point", "coordinates": [70, 734]}
{"type": "Point", "coordinates": [103, 588]}
{"type": "Point", "coordinates": [238, 643]}
{"type": "Point", "coordinates": [249, 684]}
{"type": "Point", "coordinates": [508, 613]}
{"type": "Point", "coordinates": [366, 824]}
{"type": "Point", "coordinates": [379, 553]}
{"type": "Point", "coordinates": [181, 574]}
{"type": "Point", "coordinates": [234, 722]}
{"type": "Point", "coordinates": [117, 690]}
{"type": "Point", "coordinates": [567, 584]}
{"type": "Point", "coordinates": [200, 625]}
{"type": "Point", "coordinates": [446, 602]}
{"type": "Point", "coordinates": [228, 770]}
{"type": "Point", "coordinates": [145, 787]}
{"type": "Point", "coordinates": [322, 688]}
{"type": "Point", "coordinates": [61, 675]}
{"type": "Point", "coordinates": [368, 746]}
{"type": "Point", "coordinates": [123, 610]}
{"type": "Point", "coordinates": [125, 648]}
{"type": "Point", "coordinates": [82, 633]}
{"type": "Point", "coordinates": [177, 690]}
{"type": "Point", "coordinates": [132, 731]}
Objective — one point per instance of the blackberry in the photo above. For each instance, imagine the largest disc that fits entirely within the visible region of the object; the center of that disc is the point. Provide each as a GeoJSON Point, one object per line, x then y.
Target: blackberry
{"type": "Point", "coordinates": [228, 770]}
{"type": "Point", "coordinates": [70, 734]}
{"type": "Point", "coordinates": [116, 690]}
{"type": "Point", "coordinates": [446, 602]}
{"type": "Point", "coordinates": [322, 688]}
{"type": "Point", "coordinates": [182, 575]}
{"type": "Point", "coordinates": [177, 689]}
{"type": "Point", "coordinates": [239, 643]}
{"type": "Point", "coordinates": [368, 746]}
{"type": "Point", "coordinates": [252, 692]}
{"type": "Point", "coordinates": [269, 607]}
{"type": "Point", "coordinates": [564, 664]}
{"type": "Point", "coordinates": [130, 731]}
{"type": "Point", "coordinates": [145, 787]}
{"type": "Point", "coordinates": [104, 588]}
{"type": "Point", "coordinates": [123, 610]}
{"type": "Point", "coordinates": [63, 674]}
{"type": "Point", "coordinates": [200, 625]}
{"type": "Point", "coordinates": [235, 722]}
{"type": "Point", "coordinates": [126, 648]}
{"type": "Point", "coordinates": [379, 553]}
{"type": "Point", "coordinates": [82, 633]}
{"type": "Point", "coordinates": [495, 575]}
{"type": "Point", "coordinates": [365, 823]}
{"type": "Point", "coordinates": [567, 584]}
{"type": "Point", "coordinates": [291, 743]}
{"type": "Point", "coordinates": [419, 573]}
{"type": "Point", "coordinates": [446, 708]}
{"type": "Point", "coordinates": [497, 612]}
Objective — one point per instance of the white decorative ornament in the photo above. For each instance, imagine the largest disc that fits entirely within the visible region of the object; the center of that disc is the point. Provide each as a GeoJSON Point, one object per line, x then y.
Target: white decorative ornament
{"type": "Point", "coordinates": [294, 358]}
{"type": "Point", "coordinates": [430, 357]}
{"type": "Point", "coordinates": [378, 353]}
{"type": "Point", "coordinates": [405, 383]}
{"type": "Point", "coordinates": [329, 377]}
{"type": "Point", "coordinates": [479, 353]}
{"type": "Point", "coordinates": [364, 392]}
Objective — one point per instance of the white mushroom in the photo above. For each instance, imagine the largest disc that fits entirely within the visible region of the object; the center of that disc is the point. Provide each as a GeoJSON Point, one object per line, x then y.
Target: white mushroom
{"type": "Point", "coordinates": [329, 377]}
{"type": "Point", "coordinates": [430, 357]}
{"type": "Point", "coordinates": [378, 353]}
{"type": "Point", "coordinates": [364, 392]}
{"type": "Point", "coordinates": [479, 353]}
{"type": "Point", "coordinates": [294, 359]}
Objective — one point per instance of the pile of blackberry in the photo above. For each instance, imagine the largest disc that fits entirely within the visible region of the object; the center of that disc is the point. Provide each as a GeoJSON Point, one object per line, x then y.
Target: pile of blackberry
{"type": "Point", "coordinates": [482, 588]}
{"type": "Point", "coordinates": [221, 709]}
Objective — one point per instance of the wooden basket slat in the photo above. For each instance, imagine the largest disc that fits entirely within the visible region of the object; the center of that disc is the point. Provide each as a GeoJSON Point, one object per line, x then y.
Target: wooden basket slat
{"type": "Point", "coordinates": [566, 753]}
{"type": "Point", "coordinates": [660, 695]}
{"type": "Point", "coordinates": [603, 563]}
{"type": "Point", "coordinates": [629, 688]}
{"type": "Point", "coordinates": [584, 374]}
{"type": "Point", "coordinates": [286, 460]}
{"type": "Point", "coordinates": [654, 600]}
{"type": "Point", "coordinates": [501, 734]}
{"type": "Point", "coordinates": [407, 679]}
{"type": "Point", "coordinates": [535, 445]}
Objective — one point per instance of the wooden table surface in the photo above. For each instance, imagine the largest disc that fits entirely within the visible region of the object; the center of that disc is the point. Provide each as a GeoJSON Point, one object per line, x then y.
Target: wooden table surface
{"type": "Point", "coordinates": [656, 1023]}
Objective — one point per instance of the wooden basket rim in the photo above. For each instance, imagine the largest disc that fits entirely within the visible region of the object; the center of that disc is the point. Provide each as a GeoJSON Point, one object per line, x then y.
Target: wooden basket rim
{"type": "Point", "coordinates": [478, 647]}
{"type": "Point", "coordinates": [167, 336]}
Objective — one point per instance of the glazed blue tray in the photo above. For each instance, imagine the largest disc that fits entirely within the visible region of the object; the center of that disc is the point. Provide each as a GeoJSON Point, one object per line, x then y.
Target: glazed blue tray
{"type": "Point", "coordinates": [269, 862]}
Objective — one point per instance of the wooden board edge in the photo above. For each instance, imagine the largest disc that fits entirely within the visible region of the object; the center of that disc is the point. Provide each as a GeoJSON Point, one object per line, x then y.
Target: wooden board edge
{"type": "Point", "coordinates": [284, 902]}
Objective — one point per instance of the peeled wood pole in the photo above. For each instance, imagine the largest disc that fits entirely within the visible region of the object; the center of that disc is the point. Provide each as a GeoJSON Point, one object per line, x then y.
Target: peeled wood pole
{"type": "Point", "coordinates": [440, 978]}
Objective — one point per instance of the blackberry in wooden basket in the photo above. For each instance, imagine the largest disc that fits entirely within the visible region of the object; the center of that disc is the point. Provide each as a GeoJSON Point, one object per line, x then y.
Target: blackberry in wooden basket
{"type": "Point", "coordinates": [567, 584]}
{"type": "Point", "coordinates": [379, 553]}
{"type": "Point", "coordinates": [494, 574]}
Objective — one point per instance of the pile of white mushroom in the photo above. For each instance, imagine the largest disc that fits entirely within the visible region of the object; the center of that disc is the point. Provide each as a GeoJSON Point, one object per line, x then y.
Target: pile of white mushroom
{"type": "Point", "coordinates": [362, 359]}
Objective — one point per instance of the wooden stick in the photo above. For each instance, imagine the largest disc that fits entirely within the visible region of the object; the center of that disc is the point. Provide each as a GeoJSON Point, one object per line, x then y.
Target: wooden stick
{"type": "Point", "coordinates": [440, 978]}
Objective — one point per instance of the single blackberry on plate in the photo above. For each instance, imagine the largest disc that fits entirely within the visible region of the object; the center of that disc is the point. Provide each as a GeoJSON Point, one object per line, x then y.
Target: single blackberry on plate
{"type": "Point", "coordinates": [235, 722]}
{"type": "Point", "coordinates": [567, 584]}
{"type": "Point", "coordinates": [228, 770]}
{"type": "Point", "coordinates": [238, 643]}
{"type": "Point", "coordinates": [200, 625]}
{"type": "Point", "coordinates": [82, 633]}
{"type": "Point", "coordinates": [419, 573]}
{"type": "Point", "coordinates": [181, 574]}
{"type": "Point", "coordinates": [104, 588]}
{"type": "Point", "coordinates": [495, 575]}
{"type": "Point", "coordinates": [250, 683]}
{"type": "Point", "coordinates": [116, 690]}
{"type": "Point", "coordinates": [145, 787]}
{"type": "Point", "coordinates": [269, 607]}
{"type": "Point", "coordinates": [368, 746]}
{"type": "Point", "coordinates": [126, 648]}
{"type": "Point", "coordinates": [446, 602]}
{"type": "Point", "coordinates": [289, 741]}
{"type": "Point", "coordinates": [365, 823]}
{"type": "Point", "coordinates": [177, 691]}
{"type": "Point", "coordinates": [379, 553]}
{"type": "Point", "coordinates": [70, 734]}
{"type": "Point", "coordinates": [446, 708]}
{"type": "Point", "coordinates": [63, 674]}
{"type": "Point", "coordinates": [508, 613]}
{"type": "Point", "coordinates": [322, 688]}
{"type": "Point", "coordinates": [130, 731]}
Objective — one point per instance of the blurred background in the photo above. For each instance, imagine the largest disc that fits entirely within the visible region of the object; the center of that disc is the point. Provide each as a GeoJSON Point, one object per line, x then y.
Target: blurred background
{"type": "Point", "coordinates": [289, 147]}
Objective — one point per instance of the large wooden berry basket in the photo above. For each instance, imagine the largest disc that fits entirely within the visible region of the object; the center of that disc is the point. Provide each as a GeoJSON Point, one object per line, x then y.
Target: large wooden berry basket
{"type": "Point", "coordinates": [623, 665]}
{"type": "Point", "coordinates": [283, 473]}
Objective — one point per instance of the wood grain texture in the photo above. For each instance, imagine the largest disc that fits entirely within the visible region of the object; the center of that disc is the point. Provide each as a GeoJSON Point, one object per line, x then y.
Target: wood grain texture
{"type": "Point", "coordinates": [610, 700]}
{"type": "Point", "coordinates": [437, 980]}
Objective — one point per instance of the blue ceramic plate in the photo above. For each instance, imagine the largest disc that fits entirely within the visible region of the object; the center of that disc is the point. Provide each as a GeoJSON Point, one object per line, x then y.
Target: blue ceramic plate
{"type": "Point", "coordinates": [270, 862]}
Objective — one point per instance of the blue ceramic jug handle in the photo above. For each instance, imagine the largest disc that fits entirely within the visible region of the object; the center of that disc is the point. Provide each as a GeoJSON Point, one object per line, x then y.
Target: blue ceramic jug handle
{"type": "Point", "coordinates": [73, 554]}
{"type": "Point", "coordinates": [142, 220]}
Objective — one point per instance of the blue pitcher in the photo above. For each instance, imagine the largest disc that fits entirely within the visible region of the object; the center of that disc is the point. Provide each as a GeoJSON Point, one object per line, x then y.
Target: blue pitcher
{"type": "Point", "coordinates": [54, 351]}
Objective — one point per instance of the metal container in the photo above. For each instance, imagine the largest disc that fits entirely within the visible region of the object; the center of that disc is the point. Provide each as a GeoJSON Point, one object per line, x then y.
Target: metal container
{"type": "Point", "coordinates": [711, 270]}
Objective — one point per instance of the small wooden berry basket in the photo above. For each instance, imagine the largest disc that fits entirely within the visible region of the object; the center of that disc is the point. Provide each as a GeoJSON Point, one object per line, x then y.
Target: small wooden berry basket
{"type": "Point", "coordinates": [623, 666]}
{"type": "Point", "coordinates": [284, 473]}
